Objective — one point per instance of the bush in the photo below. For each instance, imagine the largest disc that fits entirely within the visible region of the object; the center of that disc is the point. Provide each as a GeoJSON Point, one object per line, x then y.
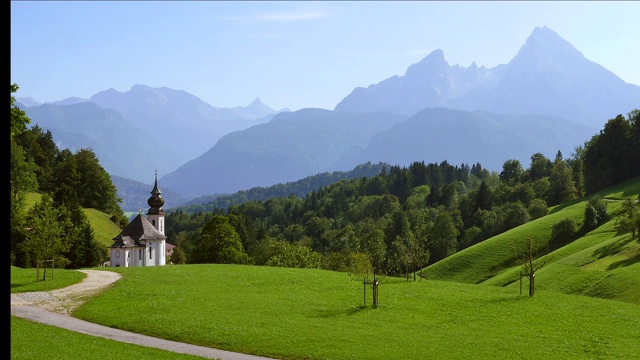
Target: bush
{"type": "Point", "coordinates": [563, 231]}
{"type": "Point", "coordinates": [537, 209]}
{"type": "Point", "coordinates": [595, 213]}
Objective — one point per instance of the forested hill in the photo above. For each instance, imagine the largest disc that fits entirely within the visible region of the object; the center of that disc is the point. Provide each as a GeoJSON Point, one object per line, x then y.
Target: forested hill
{"type": "Point", "coordinates": [298, 188]}
{"type": "Point", "coordinates": [406, 217]}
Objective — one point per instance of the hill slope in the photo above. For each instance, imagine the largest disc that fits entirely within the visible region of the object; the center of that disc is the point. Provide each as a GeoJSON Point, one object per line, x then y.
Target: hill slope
{"type": "Point", "coordinates": [104, 229]}
{"type": "Point", "coordinates": [600, 263]}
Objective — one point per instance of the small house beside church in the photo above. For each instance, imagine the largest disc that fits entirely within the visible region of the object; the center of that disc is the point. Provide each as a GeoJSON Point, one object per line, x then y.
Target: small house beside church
{"type": "Point", "coordinates": [142, 242]}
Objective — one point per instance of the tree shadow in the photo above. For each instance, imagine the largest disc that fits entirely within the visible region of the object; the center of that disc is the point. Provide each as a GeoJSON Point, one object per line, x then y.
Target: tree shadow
{"type": "Point", "coordinates": [623, 263]}
{"type": "Point", "coordinates": [565, 205]}
{"type": "Point", "coordinates": [611, 249]}
{"type": "Point", "coordinates": [326, 314]}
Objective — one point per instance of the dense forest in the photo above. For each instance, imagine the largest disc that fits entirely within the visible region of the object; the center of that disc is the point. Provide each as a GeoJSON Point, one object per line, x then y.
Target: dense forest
{"type": "Point", "coordinates": [391, 219]}
{"type": "Point", "coordinates": [298, 188]}
{"type": "Point", "coordinates": [56, 228]}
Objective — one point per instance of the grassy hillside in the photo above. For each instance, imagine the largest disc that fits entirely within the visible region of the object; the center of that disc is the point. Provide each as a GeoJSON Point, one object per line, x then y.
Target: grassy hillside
{"type": "Point", "coordinates": [316, 314]}
{"type": "Point", "coordinates": [105, 230]}
{"type": "Point", "coordinates": [600, 263]}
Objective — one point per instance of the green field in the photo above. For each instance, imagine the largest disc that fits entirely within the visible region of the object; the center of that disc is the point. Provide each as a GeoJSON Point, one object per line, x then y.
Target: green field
{"type": "Point", "coordinates": [33, 341]}
{"type": "Point", "coordinates": [587, 304]}
{"type": "Point", "coordinates": [316, 314]}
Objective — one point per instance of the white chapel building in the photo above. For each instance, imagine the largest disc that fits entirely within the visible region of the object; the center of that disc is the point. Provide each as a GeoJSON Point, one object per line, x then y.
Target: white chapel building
{"type": "Point", "coordinates": [142, 242]}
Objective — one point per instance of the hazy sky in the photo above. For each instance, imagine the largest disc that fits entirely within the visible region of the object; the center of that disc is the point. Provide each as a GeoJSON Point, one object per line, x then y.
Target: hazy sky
{"type": "Point", "coordinates": [290, 54]}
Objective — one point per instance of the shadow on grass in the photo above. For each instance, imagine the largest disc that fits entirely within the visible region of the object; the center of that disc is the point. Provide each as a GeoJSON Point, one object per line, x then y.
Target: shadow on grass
{"type": "Point", "coordinates": [510, 298]}
{"type": "Point", "coordinates": [326, 314]}
{"type": "Point", "coordinates": [611, 249]}
{"type": "Point", "coordinates": [623, 263]}
{"type": "Point", "coordinates": [565, 205]}
{"type": "Point", "coordinates": [16, 286]}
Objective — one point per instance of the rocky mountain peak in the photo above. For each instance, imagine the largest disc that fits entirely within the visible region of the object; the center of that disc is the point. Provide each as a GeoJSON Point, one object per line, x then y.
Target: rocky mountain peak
{"type": "Point", "coordinates": [545, 50]}
{"type": "Point", "coordinates": [429, 66]}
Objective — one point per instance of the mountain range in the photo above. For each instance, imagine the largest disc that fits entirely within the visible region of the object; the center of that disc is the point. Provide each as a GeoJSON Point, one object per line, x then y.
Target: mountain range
{"type": "Point", "coordinates": [154, 128]}
{"type": "Point", "coordinates": [548, 76]}
{"type": "Point", "coordinates": [548, 98]}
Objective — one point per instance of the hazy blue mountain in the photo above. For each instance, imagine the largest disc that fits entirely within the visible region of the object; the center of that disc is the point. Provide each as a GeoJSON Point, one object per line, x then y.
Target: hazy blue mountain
{"type": "Point", "coordinates": [27, 101]}
{"type": "Point", "coordinates": [134, 194]}
{"type": "Point", "coordinates": [291, 146]}
{"type": "Point", "coordinates": [549, 97]}
{"type": "Point", "coordinates": [121, 148]}
{"type": "Point", "coordinates": [299, 144]}
{"type": "Point", "coordinates": [179, 120]}
{"type": "Point", "coordinates": [548, 76]}
{"type": "Point", "coordinates": [460, 137]}
{"type": "Point", "coordinates": [299, 188]}
{"type": "Point", "coordinates": [160, 128]}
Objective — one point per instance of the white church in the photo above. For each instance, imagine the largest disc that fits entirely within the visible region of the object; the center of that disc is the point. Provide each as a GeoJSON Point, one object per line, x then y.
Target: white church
{"type": "Point", "coordinates": [142, 242]}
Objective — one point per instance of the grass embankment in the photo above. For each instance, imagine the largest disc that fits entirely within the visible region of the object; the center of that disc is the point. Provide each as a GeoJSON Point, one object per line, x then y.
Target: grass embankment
{"type": "Point", "coordinates": [600, 263]}
{"type": "Point", "coordinates": [316, 314]}
{"type": "Point", "coordinates": [32, 341]}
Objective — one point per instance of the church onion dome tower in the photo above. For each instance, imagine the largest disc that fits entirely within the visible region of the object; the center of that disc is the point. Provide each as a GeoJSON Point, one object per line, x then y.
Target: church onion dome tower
{"type": "Point", "coordinates": [156, 201]}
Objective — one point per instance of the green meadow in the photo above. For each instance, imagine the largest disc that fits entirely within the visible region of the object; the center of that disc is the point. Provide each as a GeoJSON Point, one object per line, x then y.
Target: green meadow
{"type": "Point", "coordinates": [586, 306]}
{"type": "Point", "coordinates": [33, 341]}
{"type": "Point", "coordinates": [316, 314]}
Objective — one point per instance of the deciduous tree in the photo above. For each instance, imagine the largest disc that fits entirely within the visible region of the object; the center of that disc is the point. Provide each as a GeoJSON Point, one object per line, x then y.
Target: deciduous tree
{"type": "Point", "coordinates": [527, 255]}
{"type": "Point", "coordinates": [629, 219]}
{"type": "Point", "coordinates": [219, 243]}
{"type": "Point", "coordinates": [19, 119]}
{"type": "Point", "coordinates": [44, 232]}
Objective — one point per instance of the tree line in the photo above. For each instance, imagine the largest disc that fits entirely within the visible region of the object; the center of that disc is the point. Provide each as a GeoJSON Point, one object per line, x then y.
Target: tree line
{"type": "Point", "coordinates": [56, 228]}
{"type": "Point", "coordinates": [389, 220]}
{"type": "Point", "coordinates": [406, 217]}
{"type": "Point", "coordinates": [298, 188]}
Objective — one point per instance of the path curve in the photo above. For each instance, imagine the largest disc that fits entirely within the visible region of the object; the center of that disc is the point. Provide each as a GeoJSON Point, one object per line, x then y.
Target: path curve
{"type": "Point", "coordinates": [55, 307]}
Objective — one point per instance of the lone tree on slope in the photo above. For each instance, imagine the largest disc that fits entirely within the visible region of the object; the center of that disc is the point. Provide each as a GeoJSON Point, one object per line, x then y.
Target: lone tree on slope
{"type": "Point", "coordinates": [527, 257]}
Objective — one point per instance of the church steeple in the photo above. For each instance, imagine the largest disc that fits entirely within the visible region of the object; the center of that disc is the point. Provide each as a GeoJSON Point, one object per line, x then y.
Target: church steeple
{"type": "Point", "coordinates": [156, 201]}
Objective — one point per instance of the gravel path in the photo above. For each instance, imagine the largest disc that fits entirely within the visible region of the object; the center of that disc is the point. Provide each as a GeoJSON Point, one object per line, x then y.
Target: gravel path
{"type": "Point", "coordinates": [54, 308]}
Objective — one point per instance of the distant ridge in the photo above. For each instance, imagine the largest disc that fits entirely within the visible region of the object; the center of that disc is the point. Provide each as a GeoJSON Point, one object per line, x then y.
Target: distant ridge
{"type": "Point", "coordinates": [548, 76]}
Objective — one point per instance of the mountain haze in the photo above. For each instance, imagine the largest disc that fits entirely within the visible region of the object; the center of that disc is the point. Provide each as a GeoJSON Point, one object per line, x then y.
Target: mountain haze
{"type": "Point", "coordinates": [179, 120]}
{"type": "Point", "coordinates": [460, 137]}
{"type": "Point", "coordinates": [548, 76]}
{"type": "Point", "coordinates": [119, 146]}
{"type": "Point", "coordinates": [548, 98]}
{"type": "Point", "coordinates": [156, 129]}
{"type": "Point", "coordinates": [291, 146]}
